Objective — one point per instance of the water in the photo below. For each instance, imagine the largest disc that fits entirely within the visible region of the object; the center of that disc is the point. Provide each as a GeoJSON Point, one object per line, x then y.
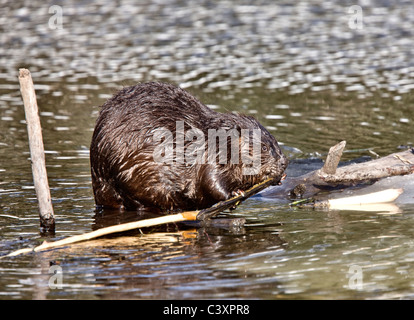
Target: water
{"type": "Point", "coordinates": [308, 75]}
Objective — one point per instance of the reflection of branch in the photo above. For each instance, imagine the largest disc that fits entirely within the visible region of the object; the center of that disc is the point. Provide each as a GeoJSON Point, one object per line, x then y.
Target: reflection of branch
{"type": "Point", "coordinates": [185, 216]}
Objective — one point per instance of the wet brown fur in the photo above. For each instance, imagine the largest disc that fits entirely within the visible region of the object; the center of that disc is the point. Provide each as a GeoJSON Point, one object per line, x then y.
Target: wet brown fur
{"type": "Point", "coordinates": [124, 173]}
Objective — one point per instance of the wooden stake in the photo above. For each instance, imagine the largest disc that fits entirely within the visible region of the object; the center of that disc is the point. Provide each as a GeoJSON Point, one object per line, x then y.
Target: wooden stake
{"type": "Point", "coordinates": [37, 153]}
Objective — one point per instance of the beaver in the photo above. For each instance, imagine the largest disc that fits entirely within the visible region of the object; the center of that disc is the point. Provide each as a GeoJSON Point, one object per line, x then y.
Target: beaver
{"type": "Point", "coordinates": [143, 152]}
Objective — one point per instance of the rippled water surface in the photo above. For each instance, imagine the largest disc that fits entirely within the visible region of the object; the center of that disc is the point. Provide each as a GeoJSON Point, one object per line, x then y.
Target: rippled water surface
{"type": "Point", "coordinates": [305, 69]}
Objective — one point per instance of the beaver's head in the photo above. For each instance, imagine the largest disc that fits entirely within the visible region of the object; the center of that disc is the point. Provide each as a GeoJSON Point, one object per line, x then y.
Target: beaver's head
{"type": "Point", "coordinates": [260, 155]}
{"type": "Point", "coordinates": [273, 161]}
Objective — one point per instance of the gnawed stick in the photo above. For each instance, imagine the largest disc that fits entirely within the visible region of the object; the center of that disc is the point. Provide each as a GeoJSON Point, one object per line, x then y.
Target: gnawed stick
{"type": "Point", "coordinates": [37, 152]}
{"type": "Point", "coordinates": [352, 202]}
{"type": "Point", "coordinates": [185, 216]}
{"type": "Point", "coordinates": [201, 215]}
{"type": "Point", "coordinates": [374, 201]}
{"type": "Point", "coordinates": [234, 201]}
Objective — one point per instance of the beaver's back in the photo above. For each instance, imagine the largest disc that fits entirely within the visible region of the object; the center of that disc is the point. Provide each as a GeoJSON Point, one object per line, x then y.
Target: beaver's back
{"type": "Point", "coordinates": [160, 102]}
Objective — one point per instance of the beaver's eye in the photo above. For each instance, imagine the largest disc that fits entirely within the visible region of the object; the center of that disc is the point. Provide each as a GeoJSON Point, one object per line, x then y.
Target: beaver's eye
{"type": "Point", "coordinates": [264, 148]}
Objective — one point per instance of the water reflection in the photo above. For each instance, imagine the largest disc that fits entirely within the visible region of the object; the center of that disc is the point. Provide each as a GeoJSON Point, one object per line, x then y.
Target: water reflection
{"type": "Point", "coordinates": [164, 264]}
{"type": "Point", "coordinates": [298, 67]}
{"type": "Point", "coordinates": [279, 254]}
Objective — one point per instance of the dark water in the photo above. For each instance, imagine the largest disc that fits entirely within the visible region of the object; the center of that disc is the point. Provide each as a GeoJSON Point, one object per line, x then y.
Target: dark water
{"type": "Point", "coordinates": [308, 75]}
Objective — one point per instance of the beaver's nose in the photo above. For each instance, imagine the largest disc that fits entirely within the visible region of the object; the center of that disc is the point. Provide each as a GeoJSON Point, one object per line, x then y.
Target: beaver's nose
{"type": "Point", "coordinates": [283, 161]}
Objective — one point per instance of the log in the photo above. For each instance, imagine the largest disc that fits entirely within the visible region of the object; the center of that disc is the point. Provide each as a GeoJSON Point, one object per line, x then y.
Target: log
{"type": "Point", "coordinates": [37, 152]}
{"type": "Point", "coordinates": [209, 213]}
{"type": "Point", "coordinates": [331, 178]}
